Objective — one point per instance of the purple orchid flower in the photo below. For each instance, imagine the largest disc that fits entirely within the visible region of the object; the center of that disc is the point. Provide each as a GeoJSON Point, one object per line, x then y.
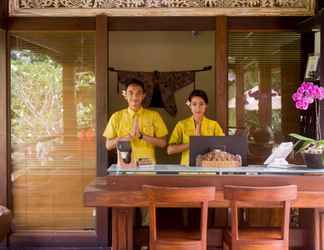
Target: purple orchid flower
{"type": "Point", "coordinates": [306, 94]}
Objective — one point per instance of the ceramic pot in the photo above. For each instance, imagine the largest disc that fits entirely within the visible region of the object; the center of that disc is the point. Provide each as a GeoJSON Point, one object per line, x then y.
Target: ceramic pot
{"type": "Point", "coordinates": [314, 160]}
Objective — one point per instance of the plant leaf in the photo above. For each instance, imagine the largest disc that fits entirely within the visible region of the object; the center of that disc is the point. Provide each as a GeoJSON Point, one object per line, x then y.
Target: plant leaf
{"type": "Point", "coordinates": [304, 146]}
{"type": "Point", "coordinates": [302, 138]}
{"type": "Point", "coordinates": [296, 143]}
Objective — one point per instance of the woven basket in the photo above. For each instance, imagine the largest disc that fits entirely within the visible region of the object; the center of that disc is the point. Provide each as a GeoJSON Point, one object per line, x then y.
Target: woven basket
{"type": "Point", "coordinates": [221, 164]}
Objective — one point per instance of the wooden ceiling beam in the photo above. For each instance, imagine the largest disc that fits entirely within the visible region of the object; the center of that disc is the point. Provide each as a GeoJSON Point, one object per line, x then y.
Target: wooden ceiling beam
{"type": "Point", "coordinates": [311, 23]}
{"type": "Point", "coordinates": [52, 23]}
{"type": "Point", "coordinates": [153, 23]}
{"type": "Point", "coordinates": [263, 23]}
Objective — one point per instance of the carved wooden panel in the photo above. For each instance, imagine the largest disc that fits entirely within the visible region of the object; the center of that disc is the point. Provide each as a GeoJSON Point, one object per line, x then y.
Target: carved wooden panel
{"type": "Point", "coordinates": [163, 3]}
{"type": "Point", "coordinates": [163, 7]}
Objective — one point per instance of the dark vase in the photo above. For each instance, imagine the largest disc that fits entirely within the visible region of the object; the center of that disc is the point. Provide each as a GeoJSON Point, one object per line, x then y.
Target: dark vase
{"type": "Point", "coordinates": [314, 160]}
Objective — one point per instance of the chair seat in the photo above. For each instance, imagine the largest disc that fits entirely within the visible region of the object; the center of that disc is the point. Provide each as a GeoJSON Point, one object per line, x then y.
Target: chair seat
{"type": "Point", "coordinates": [257, 234]}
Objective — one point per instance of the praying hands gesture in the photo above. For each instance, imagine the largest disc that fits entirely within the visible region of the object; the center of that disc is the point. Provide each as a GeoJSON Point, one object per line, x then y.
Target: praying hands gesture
{"type": "Point", "coordinates": [135, 133]}
{"type": "Point", "coordinates": [197, 128]}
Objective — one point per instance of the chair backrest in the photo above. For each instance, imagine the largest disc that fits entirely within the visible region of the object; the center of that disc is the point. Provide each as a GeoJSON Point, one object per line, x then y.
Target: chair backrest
{"type": "Point", "coordinates": [260, 194]}
{"type": "Point", "coordinates": [175, 195]}
{"type": "Point", "coordinates": [240, 195]}
{"type": "Point", "coordinates": [158, 194]}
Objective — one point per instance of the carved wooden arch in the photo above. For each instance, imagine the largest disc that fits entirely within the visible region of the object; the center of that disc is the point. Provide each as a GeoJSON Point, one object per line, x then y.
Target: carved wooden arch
{"type": "Point", "coordinates": [162, 7]}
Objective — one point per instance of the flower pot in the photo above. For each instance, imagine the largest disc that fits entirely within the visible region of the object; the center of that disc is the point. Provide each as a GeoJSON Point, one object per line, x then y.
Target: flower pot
{"type": "Point", "coordinates": [314, 160]}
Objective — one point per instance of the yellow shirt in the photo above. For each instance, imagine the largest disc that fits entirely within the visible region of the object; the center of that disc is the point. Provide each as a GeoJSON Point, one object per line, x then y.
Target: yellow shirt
{"type": "Point", "coordinates": [150, 123]}
{"type": "Point", "coordinates": [186, 128]}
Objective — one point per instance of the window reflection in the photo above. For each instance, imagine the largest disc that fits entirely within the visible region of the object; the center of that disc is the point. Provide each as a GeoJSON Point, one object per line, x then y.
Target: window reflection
{"type": "Point", "coordinates": [263, 72]}
{"type": "Point", "coordinates": [52, 129]}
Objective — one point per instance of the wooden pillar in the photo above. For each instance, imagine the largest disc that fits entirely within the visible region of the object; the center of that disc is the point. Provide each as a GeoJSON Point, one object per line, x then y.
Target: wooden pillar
{"type": "Point", "coordinates": [307, 124]}
{"type": "Point", "coordinates": [290, 80]}
{"type": "Point", "coordinates": [4, 116]}
{"type": "Point", "coordinates": [4, 111]}
{"type": "Point", "coordinates": [102, 55]}
{"type": "Point", "coordinates": [319, 213]}
{"type": "Point", "coordinates": [289, 114]}
{"type": "Point", "coordinates": [69, 105]}
{"type": "Point", "coordinates": [221, 90]}
{"type": "Point", "coordinates": [265, 108]}
{"type": "Point", "coordinates": [240, 101]}
{"type": "Point", "coordinates": [4, 105]}
{"type": "Point", "coordinates": [221, 70]}
{"type": "Point", "coordinates": [322, 73]}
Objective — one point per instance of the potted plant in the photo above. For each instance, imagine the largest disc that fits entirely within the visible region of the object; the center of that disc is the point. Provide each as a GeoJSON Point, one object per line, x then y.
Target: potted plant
{"type": "Point", "coordinates": [311, 149]}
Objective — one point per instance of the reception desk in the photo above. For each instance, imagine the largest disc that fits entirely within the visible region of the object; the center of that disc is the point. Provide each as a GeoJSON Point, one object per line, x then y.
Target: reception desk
{"type": "Point", "coordinates": [121, 190]}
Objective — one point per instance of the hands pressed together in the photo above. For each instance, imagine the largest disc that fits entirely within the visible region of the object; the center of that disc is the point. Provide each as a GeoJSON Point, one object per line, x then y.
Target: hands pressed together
{"type": "Point", "coordinates": [135, 132]}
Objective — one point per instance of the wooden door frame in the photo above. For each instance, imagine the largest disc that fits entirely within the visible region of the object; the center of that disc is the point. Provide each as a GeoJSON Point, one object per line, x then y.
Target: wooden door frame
{"type": "Point", "coordinates": [102, 25]}
{"type": "Point", "coordinates": [4, 104]}
{"type": "Point", "coordinates": [102, 57]}
{"type": "Point", "coordinates": [4, 138]}
{"type": "Point", "coordinates": [221, 70]}
{"type": "Point", "coordinates": [92, 240]}
{"type": "Point", "coordinates": [4, 109]}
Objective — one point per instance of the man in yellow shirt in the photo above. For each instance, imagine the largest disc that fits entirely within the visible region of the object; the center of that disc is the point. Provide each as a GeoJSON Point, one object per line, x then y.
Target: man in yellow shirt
{"type": "Point", "coordinates": [197, 124]}
{"type": "Point", "coordinates": [144, 128]}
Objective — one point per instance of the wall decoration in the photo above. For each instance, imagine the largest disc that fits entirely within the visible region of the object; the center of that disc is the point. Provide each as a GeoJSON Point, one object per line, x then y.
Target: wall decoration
{"type": "Point", "coordinates": [161, 84]}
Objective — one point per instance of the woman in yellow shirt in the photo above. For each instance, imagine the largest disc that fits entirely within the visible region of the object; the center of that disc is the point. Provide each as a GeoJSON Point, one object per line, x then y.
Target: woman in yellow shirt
{"type": "Point", "coordinates": [196, 125]}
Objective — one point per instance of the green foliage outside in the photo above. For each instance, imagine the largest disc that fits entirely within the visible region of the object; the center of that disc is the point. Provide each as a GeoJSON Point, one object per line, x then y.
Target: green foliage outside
{"type": "Point", "coordinates": [36, 97]}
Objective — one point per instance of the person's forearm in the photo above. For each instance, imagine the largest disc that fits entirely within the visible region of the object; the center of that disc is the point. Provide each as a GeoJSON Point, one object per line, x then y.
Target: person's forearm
{"type": "Point", "coordinates": [111, 143]}
{"type": "Point", "coordinates": [177, 148]}
{"type": "Point", "coordinates": [155, 141]}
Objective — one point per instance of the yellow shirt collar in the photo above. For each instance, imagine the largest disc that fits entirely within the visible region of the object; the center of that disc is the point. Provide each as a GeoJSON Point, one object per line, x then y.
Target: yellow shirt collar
{"type": "Point", "coordinates": [132, 112]}
{"type": "Point", "coordinates": [202, 120]}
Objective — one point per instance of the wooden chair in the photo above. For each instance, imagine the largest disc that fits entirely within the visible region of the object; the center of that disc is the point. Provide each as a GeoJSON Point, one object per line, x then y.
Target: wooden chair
{"type": "Point", "coordinates": [171, 197]}
{"type": "Point", "coordinates": [259, 238]}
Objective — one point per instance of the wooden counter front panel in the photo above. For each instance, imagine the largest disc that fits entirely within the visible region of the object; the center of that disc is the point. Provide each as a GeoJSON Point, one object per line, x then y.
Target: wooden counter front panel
{"type": "Point", "coordinates": [125, 191]}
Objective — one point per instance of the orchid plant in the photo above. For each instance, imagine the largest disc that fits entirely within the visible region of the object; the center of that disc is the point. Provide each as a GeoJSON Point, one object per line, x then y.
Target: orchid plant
{"type": "Point", "coordinates": [305, 95]}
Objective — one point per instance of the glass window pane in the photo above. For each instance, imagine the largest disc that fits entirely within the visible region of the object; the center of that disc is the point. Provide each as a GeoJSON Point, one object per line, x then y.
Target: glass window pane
{"type": "Point", "coordinates": [263, 73]}
{"type": "Point", "coordinates": [52, 129]}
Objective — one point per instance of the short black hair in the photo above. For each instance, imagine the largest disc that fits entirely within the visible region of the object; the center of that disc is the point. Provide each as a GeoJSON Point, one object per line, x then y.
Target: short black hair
{"type": "Point", "coordinates": [135, 82]}
{"type": "Point", "coordinates": [200, 93]}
